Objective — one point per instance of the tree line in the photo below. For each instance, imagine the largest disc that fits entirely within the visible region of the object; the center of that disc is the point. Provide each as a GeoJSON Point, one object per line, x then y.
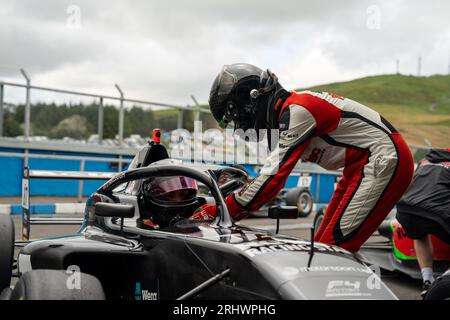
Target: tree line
{"type": "Point", "coordinates": [79, 121]}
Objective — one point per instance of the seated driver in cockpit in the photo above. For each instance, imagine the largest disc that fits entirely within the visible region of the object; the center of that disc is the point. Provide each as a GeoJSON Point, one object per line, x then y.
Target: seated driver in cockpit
{"type": "Point", "coordinates": [164, 201]}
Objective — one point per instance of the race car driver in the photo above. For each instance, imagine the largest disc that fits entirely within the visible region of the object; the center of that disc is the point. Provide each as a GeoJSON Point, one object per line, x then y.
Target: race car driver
{"type": "Point", "coordinates": [324, 128]}
{"type": "Point", "coordinates": [165, 201]}
{"type": "Point", "coordinates": [424, 209]}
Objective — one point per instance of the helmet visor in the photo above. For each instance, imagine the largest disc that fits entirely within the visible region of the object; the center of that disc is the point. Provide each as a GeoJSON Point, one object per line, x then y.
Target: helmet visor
{"type": "Point", "coordinates": [226, 83]}
{"type": "Point", "coordinates": [220, 92]}
{"type": "Point", "coordinates": [173, 189]}
{"type": "Point", "coordinates": [230, 100]}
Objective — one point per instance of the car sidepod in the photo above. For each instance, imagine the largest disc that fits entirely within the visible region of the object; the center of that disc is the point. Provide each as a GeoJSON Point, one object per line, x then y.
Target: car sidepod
{"type": "Point", "coordinates": [331, 273]}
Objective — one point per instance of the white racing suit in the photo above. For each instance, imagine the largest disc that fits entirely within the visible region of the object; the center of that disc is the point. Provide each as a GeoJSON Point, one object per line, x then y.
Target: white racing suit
{"type": "Point", "coordinates": [335, 132]}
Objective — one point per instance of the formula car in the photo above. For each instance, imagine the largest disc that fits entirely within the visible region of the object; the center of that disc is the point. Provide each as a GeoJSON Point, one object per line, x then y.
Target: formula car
{"type": "Point", "coordinates": [119, 254]}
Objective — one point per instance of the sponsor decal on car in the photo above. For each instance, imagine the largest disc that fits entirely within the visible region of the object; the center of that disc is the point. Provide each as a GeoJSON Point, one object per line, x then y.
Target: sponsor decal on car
{"type": "Point", "coordinates": [143, 294]}
{"type": "Point", "coordinates": [346, 288]}
{"type": "Point", "coordinates": [343, 288]}
{"type": "Point", "coordinates": [336, 269]}
{"type": "Point", "coordinates": [279, 245]}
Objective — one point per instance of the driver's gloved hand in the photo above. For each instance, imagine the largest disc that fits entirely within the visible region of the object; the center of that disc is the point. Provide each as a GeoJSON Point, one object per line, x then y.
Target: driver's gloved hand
{"type": "Point", "coordinates": [209, 211]}
{"type": "Point", "coordinates": [205, 212]}
{"type": "Point", "coordinates": [146, 224]}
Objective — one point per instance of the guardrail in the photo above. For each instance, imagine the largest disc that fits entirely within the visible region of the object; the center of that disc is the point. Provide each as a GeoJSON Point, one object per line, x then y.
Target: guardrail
{"type": "Point", "coordinates": [121, 99]}
{"type": "Point", "coordinates": [28, 174]}
{"type": "Point", "coordinates": [120, 161]}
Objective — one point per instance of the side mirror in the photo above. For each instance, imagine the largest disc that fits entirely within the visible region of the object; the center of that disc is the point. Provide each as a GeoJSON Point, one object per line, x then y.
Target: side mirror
{"type": "Point", "coordinates": [117, 210]}
{"type": "Point", "coordinates": [283, 212]}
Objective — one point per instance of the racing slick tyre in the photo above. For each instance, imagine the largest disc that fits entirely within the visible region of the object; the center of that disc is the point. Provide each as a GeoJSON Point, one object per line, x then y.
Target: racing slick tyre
{"type": "Point", "coordinates": [302, 199]}
{"type": "Point", "coordinates": [57, 285]}
{"type": "Point", "coordinates": [6, 250]}
{"type": "Point", "coordinates": [318, 218]}
{"type": "Point", "coordinates": [440, 289]}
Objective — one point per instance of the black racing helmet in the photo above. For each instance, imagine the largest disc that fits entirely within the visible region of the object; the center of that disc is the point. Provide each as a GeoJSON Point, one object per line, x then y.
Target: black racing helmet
{"type": "Point", "coordinates": [239, 95]}
{"type": "Point", "coordinates": [166, 199]}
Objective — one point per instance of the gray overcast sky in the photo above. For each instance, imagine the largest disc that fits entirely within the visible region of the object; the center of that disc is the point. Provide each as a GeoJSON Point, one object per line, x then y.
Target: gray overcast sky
{"type": "Point", "coordinates": [167, 50]}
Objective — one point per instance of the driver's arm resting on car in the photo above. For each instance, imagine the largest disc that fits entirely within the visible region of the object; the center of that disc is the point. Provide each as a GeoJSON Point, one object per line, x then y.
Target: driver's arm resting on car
{"type": "Point", "coordinates": [297, 126]}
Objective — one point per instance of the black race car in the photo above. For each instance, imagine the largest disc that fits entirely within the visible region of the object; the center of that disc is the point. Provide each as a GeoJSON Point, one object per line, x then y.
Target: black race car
{"type": "Point", "coordinates": [118, 254]}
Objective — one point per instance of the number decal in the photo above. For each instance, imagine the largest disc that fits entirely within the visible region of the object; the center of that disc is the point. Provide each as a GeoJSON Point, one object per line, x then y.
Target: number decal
{"type": "Point", "coordinates": [304, 181]}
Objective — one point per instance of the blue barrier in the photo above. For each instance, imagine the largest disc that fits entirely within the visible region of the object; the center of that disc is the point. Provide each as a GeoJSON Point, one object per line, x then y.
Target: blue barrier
{"type": "Point", "coordinates": [46, 208]}
{"type": "Point", "coordinates": [11, 174]}
{"type": "Point", "coordinates": [322, 185]}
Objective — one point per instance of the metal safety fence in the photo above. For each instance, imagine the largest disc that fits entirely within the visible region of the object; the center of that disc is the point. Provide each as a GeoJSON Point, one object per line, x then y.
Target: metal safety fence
{"type": "Point", "coordinates": [28, 174]}
{"type": "Point", "coordinates": [196, 108]}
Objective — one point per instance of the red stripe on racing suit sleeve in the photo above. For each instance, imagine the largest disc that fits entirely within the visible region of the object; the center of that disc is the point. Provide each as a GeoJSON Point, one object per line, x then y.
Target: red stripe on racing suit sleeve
{"type": "Point", "coordinates": [326, 114]}
{"type": "Point", "coordinates": [237, 212]}
{"type": "Point", "coordinates": [278, 180]}
{"type": "Point", "coordinates": [300, 127]}
{"type": "Point", "coordinates": [269, 190]}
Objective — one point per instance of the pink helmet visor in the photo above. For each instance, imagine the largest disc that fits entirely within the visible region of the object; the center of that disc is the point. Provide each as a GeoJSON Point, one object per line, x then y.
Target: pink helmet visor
{"type": "Point", "coordinates": [173, 188]}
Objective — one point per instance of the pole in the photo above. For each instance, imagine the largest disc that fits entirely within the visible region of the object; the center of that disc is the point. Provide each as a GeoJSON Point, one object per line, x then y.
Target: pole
{"type": "Point", "coordinates": [419, 66]}
{"type": "Point", "coordinates": [397, 67]}
{"type": "Point", "coordinates": [180, 119]}
{"type": "Point", "coordinates": [27, 104]}
{"type": "Point", "coordinates": [311, 252]}
{"type": "Point", "coordinates": [121, 115]}
{"type": "Point", "coordinates": [80, 182]}
{"type": "Point", "coordinates": [26, 204]}
{"type": "Point", "coordinates": [2, 88]}
{"type": "Point", "coordinates": [100, 121]}
{"type": "Point", "coordinates": [120, 163]}
{"type": "Point", "coordinates": [197, 113]}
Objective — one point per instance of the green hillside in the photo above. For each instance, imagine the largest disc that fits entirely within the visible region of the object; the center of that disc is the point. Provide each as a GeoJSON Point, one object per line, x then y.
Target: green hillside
{"type": "Point", "coordinates": [418, 106]}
